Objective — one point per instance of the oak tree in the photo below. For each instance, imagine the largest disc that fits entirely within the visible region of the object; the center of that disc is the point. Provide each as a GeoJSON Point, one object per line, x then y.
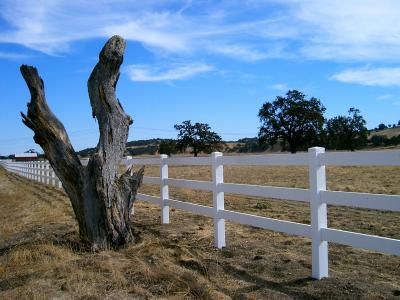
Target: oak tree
{"type": "Point", "coordinates": [292, 120]}
{"type": "Point", "coordinates": [347, 132]}
{"type": "Point", "coordinates": [198, 136]}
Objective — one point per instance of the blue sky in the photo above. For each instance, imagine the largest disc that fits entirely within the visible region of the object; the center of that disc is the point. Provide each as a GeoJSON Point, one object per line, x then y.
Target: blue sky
{"type": "Point", "coordinates": [214, 62]}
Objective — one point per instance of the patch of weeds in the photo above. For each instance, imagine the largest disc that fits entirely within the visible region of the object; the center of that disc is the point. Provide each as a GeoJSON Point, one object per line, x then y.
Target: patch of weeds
{"type": "Point", "coordinates": [263, 205]}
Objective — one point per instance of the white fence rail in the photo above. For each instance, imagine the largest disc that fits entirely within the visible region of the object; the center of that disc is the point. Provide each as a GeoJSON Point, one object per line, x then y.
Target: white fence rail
{"type": "Point", "coordinates": [316, 159]}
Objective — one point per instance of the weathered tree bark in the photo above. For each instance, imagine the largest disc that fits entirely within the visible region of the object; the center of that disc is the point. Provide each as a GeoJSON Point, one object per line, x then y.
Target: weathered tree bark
{"type": "Point", "coordinates": [101, 199]}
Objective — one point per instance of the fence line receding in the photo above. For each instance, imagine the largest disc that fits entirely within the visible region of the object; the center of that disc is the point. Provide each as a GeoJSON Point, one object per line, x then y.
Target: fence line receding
{"type": "Point", "coordinates": [316, 159]}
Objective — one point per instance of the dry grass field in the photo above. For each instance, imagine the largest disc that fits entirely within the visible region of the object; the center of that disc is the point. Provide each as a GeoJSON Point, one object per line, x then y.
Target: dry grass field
{"type": "Point", "coordinates": [389, 132]}
{"type": "Point", "coordinates": [41, 258]}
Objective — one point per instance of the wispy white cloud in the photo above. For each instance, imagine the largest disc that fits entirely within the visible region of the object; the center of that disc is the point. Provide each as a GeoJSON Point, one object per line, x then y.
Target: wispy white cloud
{"type": "Point", "coordinates": [385, 97]}
{"type": "Point", "coordinates": [154, 30]}
{"type": "Point", "coordinates": [171, 26]}
{"type": "Point", "coordinates": [383, 77]}
{"type": "Point", "coordinates": [279, 87]}
{"type": "Point", "coordinates": [239, 52]}
{"type": "Point", "coordinates": [359, 30]}
{"type": "Point", "coordinates": [176, 72]}
{"type": "Point", "coordinates": [12, 56]}
{"type": "Point", "coordinates": [350, 30]}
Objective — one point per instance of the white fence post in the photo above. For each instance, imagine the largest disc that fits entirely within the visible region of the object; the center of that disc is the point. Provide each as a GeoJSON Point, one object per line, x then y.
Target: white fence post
{"type": "Point", "coordinates": [319, 218]}
{"type": "Point", "coordinates": [47, 172]}
{"type": "Point", "coordinates": [42, 172]}
{"type": "Point", "coordinates": [38, 171]}
{"type": "Point", "coordinates": [34, 170]}
{"type": "Point", "coordinates": [164, 190]}
{"type": "Point", "coordinates": [53, 177]}
{"type": "Point", "coordinates": [218, 199]}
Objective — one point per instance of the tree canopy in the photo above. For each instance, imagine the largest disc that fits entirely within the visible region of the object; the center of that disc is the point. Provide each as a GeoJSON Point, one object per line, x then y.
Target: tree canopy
{"type": "Point", "coordinates": [168, 147]}
{"type": "Point", "coordinates": [347, 132]}
{"type": "Point", "coordinates": [293, 120]}
{"type": "Point", "coordinates": [198, 136]}
{"type": "Point", "coordinates": [382, 126]}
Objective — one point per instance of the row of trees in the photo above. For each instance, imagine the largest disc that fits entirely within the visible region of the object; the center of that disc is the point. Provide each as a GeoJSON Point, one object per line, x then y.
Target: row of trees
{"type": "Point", "coordinates": [384, 126]}
{"type": "Point", "coordinates": [383, 140]}
{"type": "Point", "coordinates": [299, 123]}
{"type": "Point", "coordinates": [293, 121]}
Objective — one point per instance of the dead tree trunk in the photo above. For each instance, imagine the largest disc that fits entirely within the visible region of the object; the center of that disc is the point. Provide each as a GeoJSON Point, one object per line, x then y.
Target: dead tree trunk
{"type": "Point", "coordinates": [101, 199]}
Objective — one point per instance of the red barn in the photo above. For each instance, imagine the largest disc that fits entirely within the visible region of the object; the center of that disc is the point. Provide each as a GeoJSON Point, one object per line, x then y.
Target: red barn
{"type": "Point", "coordinates": [25, 157]}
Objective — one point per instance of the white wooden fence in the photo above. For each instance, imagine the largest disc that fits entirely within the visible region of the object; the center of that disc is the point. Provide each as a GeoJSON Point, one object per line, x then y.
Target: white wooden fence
{"type": "Point", "coordinates": [40, 171]}
{"type": "Point", "coordinates": [316, 159]}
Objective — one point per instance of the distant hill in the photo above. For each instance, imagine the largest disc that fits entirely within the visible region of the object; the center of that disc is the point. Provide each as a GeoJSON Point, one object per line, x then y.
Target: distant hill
{"type": "Point", "coordinates": [141, 143]}
{"type": "Point", "coordinates": [244, 145]}
{"type": "Point", "coordinates": [389, 132]}
{"type": "Point", "coordinates": [150, 147]}
{"type": "Point", "coordinates": [133, 148]}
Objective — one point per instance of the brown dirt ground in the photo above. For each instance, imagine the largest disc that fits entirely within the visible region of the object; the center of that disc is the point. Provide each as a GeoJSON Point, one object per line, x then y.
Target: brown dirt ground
{"type": "Point", "coordinates": [41, 258]}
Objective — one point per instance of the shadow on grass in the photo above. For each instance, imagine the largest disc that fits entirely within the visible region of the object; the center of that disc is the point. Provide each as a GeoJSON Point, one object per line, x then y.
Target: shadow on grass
{"type": "Point", "coordinates": [59, 234]}
{"type": "Point", "coordinates": [16, 281]}
{"type": "Point", "coordinates": [261, 283]}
